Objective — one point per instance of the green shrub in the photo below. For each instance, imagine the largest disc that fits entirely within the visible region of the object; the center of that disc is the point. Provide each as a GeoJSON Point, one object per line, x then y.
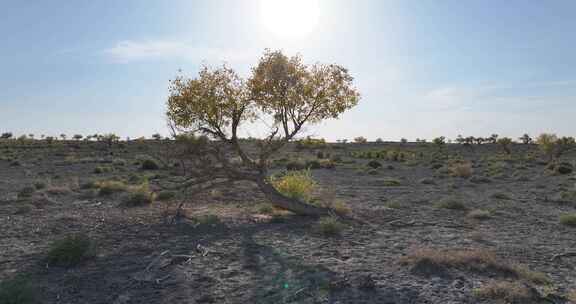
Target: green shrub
{"type": "Point", "coordinates": [39, 185]}
{"type": "Point", "coordinates": [207, 220]}
{"type": "Point", "coordinates": [427, 181]}
{"type": "Point", "coordinates": [265, 209]}
{"type": "Point", "coordinates": [501, 196]}
{"type": "Point", "coordinates": [374, 164]}
{"type": "Point", "coordinates": [330, 226]}
{"type": "Point", "coordinates": [450, 203]}
{"type": "Point", "coordinates": [102, 169]}
{"type": "Point", "coordinates": [390, 182]}
{"type": "Point", "coordinates": [110, 187]}
{"type": "Point", "coordinates": [18, 290]}
{"type": "Point", "coordinates": [165, 195]}
{"type": "Point", "coordinates": [295, 184]}
{"type": "Point", "coordinates": [149, 164]}
{"type": "Point", "coordinates": [479, 214]}
{"type": "Point", "coordinates": [568, 219]}
{"type": "Point", "coordinates": [139, 196]}
{"type": "Point", "coordinates": [69, 251]}
{"type": "Point", "coordinates": [26, 192]}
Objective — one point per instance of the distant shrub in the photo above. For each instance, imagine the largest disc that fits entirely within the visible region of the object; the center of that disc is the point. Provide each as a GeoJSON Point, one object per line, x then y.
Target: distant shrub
{"type": "Point", "coordinates": [265, 208]}
{"type": "Point", "coordinates": [165, 195]}
{"type": "Point", "coordinates": [102, 169]}
{"type": "Point", "coordinates": [149, 164]}
{"type": "Point", "coordinates": [510, 292]}
{"type": "Point", "coordinates": [69, 251]}
{"type": "Point", "coordinates": [311, 143]}
{"type": "Point", "coordinates": [327, 164]}
{"type": "Point", "coordinates": [110, 187]}
{"type": "Point", "coordinates": [568, 219]}
{"type": "Point", "coordinates": [340, 207]}
{"type": "Point", "coordinates": [330, 226]}
{"type": "Point", "coordinates": [295, 165]}
{"type": "Point", "coordinates": [207, 220]}
{"type": "Point", "coordinates": [18, 290]}
{"type": "Point", "coordinates": [139, 196]}
{"type": "Point", "coordinates": [439, 141]}
{"type": "Point", "coordinates": [479, 214]}
{"type": "Point", "coordinates": [313, 165]}
{"type": "Point", "coordinates": [505, 143]}
{"type": "Point", "coordinates": [526, 139]}
{"type": "Point", "coordinates": [26, 192]}
{"type": "Point", "coordinates": [461, 169]}
{"type": "Point", "coordinates": [500, 196]}
{"type": "Point", "coordinates": [450, 203]}
{"type": "Point", "coordinates": [390, 182]}
{"type": "Point", "coordinates": [374, 164]}
{"type": "Point", "coordinates": [295, 184]}
{"type": "Point", "coordinates": [360, 140]}
{"type": "Point", "coordinates": [39, 185]}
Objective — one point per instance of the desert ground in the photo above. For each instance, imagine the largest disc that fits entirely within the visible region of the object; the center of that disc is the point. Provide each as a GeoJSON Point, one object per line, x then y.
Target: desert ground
{"type": "Point", "coordinates": [434, 224]}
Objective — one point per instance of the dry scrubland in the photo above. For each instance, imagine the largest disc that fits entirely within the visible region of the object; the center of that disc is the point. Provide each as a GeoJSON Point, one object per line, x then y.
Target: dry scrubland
{"type": "Point", "coordinates": [83, 222]}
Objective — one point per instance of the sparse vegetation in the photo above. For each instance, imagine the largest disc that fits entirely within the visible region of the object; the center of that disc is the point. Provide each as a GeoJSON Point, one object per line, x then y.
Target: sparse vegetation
{"type": "Point", "coordinates": [450, 203]}
{"type": "Point", "coordinates": [511, 292]}
{"type": "Point", "coordinates": [295, 184]}
{"type": "Point", "coordinates": [18, 290]}
{"type": "Point", "coordinates": [568, 219]}
{"type": "Point", "coordinates": [69, 251]}
{"type": "Point", "coordinates": [330, 226]}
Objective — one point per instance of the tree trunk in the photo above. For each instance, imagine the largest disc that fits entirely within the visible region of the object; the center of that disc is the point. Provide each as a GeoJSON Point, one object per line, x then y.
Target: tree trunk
{"type": "Point", "coordinates": [296, 206]}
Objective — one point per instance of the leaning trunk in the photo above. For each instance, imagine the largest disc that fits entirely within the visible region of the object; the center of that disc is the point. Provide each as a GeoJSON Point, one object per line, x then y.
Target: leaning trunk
{"type": "Point", "coordinates": [296, 206]}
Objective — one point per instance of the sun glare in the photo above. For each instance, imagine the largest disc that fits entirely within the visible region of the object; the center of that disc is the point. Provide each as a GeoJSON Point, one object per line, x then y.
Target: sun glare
{"type": "Point", "coordinates": [289, 17]}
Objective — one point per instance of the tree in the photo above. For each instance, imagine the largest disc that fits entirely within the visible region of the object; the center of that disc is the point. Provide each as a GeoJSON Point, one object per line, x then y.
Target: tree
{"type": "Point", "coordinates": [492, 139]}
{"type": "Point", "coordinates": [63, 136]}
{"type": "Point", "coordinates": [157, 136]}
{"type": "Point", "coordinates": [553, 147]}
{"type": "Point", "coordinates": [360, 140]}
{"type": "Point", "coordinates": [439, 141]}
{"type": "Point", "coordinates": [109, 139]}
{"type": "Point", "coordinates": [525, 139]}
{"type": "Point", "coordinates": [282, 92]}
{"type": "Point", "coordinates": [77, 137]}
{"type": "Point", "coordinates": [505, 143]}
{"type": "Point", "coordinates": [6, 135]}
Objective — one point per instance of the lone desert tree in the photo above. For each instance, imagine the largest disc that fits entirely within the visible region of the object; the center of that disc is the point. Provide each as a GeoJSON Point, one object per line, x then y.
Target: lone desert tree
{"type": "Point", "coordinates": [281, 90]}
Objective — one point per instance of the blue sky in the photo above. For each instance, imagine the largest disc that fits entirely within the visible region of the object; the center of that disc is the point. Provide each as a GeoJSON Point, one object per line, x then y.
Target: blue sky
{"type": "Point", "coordinates": [424, 68]}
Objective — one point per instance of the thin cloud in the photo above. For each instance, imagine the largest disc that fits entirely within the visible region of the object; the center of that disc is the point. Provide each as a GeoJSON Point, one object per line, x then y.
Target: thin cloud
{"type": "Point", "coordinates": [134, 51]}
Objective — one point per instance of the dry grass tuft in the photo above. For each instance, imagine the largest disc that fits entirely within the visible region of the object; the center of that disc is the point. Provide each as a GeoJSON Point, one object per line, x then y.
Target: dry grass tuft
{"type": "Point", "coordinates": [511, 292]}
{"type": "Point", "coordinates": [477, 260]}
{"type": "Point", "coordinates": [461, 169]}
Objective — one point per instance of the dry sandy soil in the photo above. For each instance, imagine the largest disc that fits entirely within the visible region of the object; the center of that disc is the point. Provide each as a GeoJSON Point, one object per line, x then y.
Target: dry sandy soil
{"type": "Point", "coordinates": [140, 256]}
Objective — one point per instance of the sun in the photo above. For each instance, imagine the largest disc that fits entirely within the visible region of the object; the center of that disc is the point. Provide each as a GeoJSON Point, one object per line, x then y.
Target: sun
{"type": "Point", "coordinates": [290, 18]}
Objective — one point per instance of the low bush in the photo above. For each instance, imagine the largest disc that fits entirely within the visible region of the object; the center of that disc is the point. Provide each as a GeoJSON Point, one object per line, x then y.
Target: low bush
{"type": "Point", "coordinates": [461, 169]}
{"type": "Point", "coordinates": [295, 184]}
{"type": "Point", "coordinates": [110, 187]}
{"type": "Point", "coordinates": [165, 195]}
{"type": "Point", "coordinates": [568, 219]}
{"type": "Point", "coordinates": [510, 292]}
{"type": "Point", "coordinates": [330, 226]}
{"type": "Point", "coordinates": [149, 164]}
{"type": "Point", "coordinates": [479, 214]}
{"type": "Point", "coordinates": [26, 192]}
{"type": "Point", "coordinates": [450, 203]}
{"type": "Point", "coordinates": [139, 196]}
{"type": "Point", "coordinates": [70, 250]}
{"type": "Point", "coordinates": [390, 182]}
{"type": "Point", "coordinates": [207, 220]}
{"type": "Point", "coordinates": [18, 290]}
{"type": "Point", "coordinates": [374, 164]}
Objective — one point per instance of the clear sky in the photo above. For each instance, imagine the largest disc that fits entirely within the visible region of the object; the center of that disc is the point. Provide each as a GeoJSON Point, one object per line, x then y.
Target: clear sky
{"type": "Point", "coordinates": [424, 68]}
